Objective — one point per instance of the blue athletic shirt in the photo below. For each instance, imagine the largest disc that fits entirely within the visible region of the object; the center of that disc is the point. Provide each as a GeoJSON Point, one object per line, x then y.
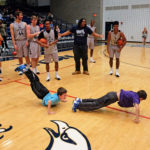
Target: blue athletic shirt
{"type": "Point", "coordinates": [80, 35]}
{"type": "Point", "coordinates": [52, 97]}
{"type": "Point", "coordinates": [128, 98]}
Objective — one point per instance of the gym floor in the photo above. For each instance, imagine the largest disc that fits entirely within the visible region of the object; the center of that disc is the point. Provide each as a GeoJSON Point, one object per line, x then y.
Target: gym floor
{"type": "Point", "coordinates": [22, 116]}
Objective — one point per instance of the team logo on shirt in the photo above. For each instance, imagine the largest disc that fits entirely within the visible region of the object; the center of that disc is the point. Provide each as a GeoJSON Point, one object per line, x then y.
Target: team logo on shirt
{"type": "Point", "coordinates": [80, 32]}
{"type": "Point", "coordinates": [67, 138]}
{"type": "Point", "coordinates": [2, 130]}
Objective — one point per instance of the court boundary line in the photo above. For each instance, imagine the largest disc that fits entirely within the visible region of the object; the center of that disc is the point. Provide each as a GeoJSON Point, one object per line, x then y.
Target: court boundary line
{"type": "Point", "coordinates": [126, 62]}
{"type": "Point", "coordinates": [113, 108]}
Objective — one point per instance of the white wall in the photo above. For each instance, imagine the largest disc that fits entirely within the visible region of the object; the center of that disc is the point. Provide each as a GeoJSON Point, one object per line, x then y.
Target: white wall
{"type": "Point", "coordinates": [134, 20]}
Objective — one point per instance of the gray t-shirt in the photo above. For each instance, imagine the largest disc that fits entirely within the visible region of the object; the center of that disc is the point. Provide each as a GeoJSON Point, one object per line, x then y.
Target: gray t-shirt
{"type": "Point", "coordinates": [50, 36]}
{"type": "Point", "coordinates": [20, 31]}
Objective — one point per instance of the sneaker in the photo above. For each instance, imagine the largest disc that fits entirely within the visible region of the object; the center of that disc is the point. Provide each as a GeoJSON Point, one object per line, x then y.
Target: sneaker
{"type": "Point", "coordinates": [86, 72]}
{"type": "Point", "coordinates": [48, 79]}
{"type": "Point", "coordinates": [20, 68]}
{"type": "Point", "coordinates": [111, 72]}
{"type": "Point", "coordinates": [117, 74]}
{"type": "Point", "coordinates": [92, 61]}
{"type": "Point", "coordinates": [78, 100]}
{"type": "Point", "coordinates": [57, 77]}
{"type": "Point", "coordinates": [0, 79]}
{"type": "Point", "coordinates": [7, 50]}
{"type": "Point", "coordinates": [20, 73]}
{"type": "Point", "coordinates": [76, 72]}
{"type": "Point", "coordinates": [37, 71]}
{"type": "Point", "coordinates": [74, 106]}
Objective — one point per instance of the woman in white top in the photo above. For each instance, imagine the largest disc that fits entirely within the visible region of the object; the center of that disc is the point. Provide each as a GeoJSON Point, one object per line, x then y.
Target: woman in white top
{"type": "Point", "coordinates": [144, 35]}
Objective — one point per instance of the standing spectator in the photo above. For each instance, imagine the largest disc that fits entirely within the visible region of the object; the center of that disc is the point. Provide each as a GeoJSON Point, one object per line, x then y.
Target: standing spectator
{"type": "Point", "coordinates": [91, 41]}
{"type": "Point", "coordinates": [80, 48]}
{"type": "Point", "coordinates": [18, 31]}
{"type": "Point", "coordinates": [11, 18]}
{"type": "Point", "coordinates": [33, 31]}
{"type": "Point", "coordinates": [57, 28]}
{"type": "Point", "coordinates": [51, 52]}
{"type": "Point", "coordinates": [113, 48]}
{"type": "Point", "coordinates": [3, 34]}
{"type": "Point", "coordinates": [50, 16]}
{"type": "Point", "coordinates": [144, 35]}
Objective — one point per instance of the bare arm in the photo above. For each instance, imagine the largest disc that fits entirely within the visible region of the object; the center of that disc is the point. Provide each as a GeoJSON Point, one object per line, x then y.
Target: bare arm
{"type": "Point", "coordinates": [97, 35]}
{"type": "Point", "coordinates": [108, 41]}
{"type": "Point", "coordinates": [12, 34]}
{"type": "Point", "coordinates": [29, 35]}
{"type": "Point", "coordinates": [52, 43]}
{"type": "Point", "coordinates": [49, 108]}
{"type": "Point", "coordinates": [1, 39]}
{"type": "Point", "coordinates": [123, 39]}
{"type": "Point", "coordinates": [137, 112]}
{"type": "Point", "coordinates": [65, 33]}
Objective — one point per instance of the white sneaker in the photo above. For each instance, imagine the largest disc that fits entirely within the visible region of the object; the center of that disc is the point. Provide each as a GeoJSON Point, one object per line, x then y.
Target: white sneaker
{"type": "Point", "coordinates": [1, 79]}
{"type": "Point", "coordinates": [117, 74]}
{"type": "Point", "coordinates": [111, 72]}
{"type": "Point", "coordinates": [57, 77]}
{"type": "Point", "coordinates": [37, 71]}
{"type": "Point", "coordinates": [20, 73]}
{"type": "Point", "coordinates": [48, 78]}
{"type": "Point", "coordinates": [7, 50]}
{"type": "Point", "coordinates": [92, 61]}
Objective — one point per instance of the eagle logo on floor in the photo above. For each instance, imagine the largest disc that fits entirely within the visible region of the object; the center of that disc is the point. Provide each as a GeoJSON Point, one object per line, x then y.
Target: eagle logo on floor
{"type": "Point", "coordinates": [4, 130]}
{"type": "Point", "coordinates": [67, 138]}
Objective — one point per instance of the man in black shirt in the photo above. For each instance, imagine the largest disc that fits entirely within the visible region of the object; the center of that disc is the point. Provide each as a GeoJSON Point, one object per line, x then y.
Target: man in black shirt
{"type": "Point", "coordinates": [80, 48]}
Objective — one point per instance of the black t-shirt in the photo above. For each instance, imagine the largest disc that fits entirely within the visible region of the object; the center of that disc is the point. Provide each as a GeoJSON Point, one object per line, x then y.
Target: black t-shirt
{"type": "Point", "coordinates": [80, 35]}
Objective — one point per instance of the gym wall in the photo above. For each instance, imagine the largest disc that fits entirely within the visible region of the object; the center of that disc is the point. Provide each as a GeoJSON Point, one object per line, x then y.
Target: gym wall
{"type": "Point", "coordinates": [72, 10]}
{"type": "Point", "coordinates": [133, 16]}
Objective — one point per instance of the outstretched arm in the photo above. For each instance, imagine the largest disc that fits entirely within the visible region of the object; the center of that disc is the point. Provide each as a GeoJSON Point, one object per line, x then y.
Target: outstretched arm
{"type": "Point", "coordinates": [97, 35]}
{"type": "Point", "coordinates": [49, 108]}
{"type": "Point", "coordinates": [137, 112]}
{"type": "Point", "coordinates": [65, 33]}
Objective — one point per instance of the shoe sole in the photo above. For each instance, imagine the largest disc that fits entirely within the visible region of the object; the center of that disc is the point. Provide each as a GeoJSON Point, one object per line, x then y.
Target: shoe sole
{"type": "Point", "coordinates": [117, 76]}
{"type": "Point", "coordinates": [57, 78]}
{"type": "Point", "coordinates": [73, 106]}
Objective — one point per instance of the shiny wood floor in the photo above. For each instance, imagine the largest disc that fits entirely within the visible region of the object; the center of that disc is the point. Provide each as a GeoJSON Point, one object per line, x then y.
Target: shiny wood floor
{"type": "Point", "coordinates": [110, 128]}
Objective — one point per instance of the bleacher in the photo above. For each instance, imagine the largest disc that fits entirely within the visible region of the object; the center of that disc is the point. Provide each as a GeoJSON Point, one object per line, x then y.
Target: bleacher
{"type": "Point", "coordinates": [64, 43]}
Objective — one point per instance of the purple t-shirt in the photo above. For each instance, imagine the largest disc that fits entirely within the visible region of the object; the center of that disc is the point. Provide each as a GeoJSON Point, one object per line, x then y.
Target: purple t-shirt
{"type": "Point", "coordinates": [128, 98]}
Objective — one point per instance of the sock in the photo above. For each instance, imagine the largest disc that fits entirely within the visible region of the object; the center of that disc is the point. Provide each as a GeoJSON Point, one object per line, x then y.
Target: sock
{"type": "Point", "coordinates": [117, 70]}
{"type": "Point", "coordinates": [48, 74]}
{"type": "Point", "coordinates": [34, 70]}
{"type": "Point", "coordinates": [56, 73]}
{"type": "Point", "coordinates": [28, 65]}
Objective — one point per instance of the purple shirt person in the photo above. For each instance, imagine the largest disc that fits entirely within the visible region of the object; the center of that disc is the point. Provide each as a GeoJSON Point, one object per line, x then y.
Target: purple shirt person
{"type": "Point", "coordinates": [128, 98]}
{"type": "Point", "coordinates": [124, 99]}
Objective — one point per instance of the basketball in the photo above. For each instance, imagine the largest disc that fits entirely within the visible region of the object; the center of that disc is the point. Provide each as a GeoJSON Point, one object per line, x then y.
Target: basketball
{"type": "Point", "coordinates": [14, 53]}
{"type": "Point", "coordinates": [119, 42]}
{"type": "Point", "coordinates": [42, 40]}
